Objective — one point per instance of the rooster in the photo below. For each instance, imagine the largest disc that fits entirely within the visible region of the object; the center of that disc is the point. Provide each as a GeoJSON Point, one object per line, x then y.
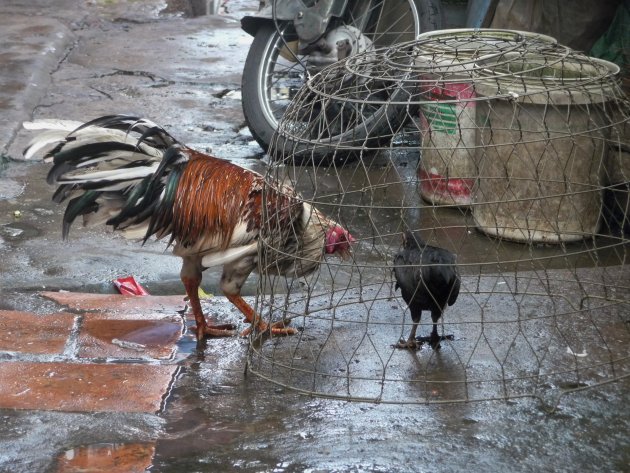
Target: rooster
{"type": "Point", "coordinates": [428, 280]}
{"type": "Point", "coordinates": [129, 173]}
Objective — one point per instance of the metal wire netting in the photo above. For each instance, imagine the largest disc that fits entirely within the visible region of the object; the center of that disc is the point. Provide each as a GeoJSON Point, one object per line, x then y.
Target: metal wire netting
{"type": "Point", "coordinates": [503, 147]}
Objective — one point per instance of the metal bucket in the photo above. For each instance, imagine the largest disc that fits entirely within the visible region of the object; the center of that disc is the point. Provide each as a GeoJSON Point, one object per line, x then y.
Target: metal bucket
{"type": "Point", "coordinates": [541, 146]}
{"type": "Point", "coordinates": [447, 170]}
{"type": "Point", "coordinates": [617, 177]}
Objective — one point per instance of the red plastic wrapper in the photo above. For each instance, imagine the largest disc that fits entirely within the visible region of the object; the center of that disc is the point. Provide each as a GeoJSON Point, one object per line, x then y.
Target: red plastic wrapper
{"type": "Point", "coordinates": [129, 286]}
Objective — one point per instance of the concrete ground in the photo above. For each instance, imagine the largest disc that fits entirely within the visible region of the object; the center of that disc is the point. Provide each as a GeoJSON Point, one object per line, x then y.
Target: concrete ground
{"type": "Point", "coordinates": [95, 381]}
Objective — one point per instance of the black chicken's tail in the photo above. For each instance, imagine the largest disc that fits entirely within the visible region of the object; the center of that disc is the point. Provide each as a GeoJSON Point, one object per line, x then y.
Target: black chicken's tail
{"type": "Point", "coordinates": [118, 169]}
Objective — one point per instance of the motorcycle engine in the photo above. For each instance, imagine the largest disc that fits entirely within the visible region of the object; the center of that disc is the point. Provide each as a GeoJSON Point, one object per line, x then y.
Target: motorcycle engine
{"type": "Point", "coordinates": [337, 44]}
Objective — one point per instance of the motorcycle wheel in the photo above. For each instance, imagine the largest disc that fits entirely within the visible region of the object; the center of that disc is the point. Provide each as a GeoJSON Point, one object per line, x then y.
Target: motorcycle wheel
{"type": "Point", "coordinates": [272, 77]}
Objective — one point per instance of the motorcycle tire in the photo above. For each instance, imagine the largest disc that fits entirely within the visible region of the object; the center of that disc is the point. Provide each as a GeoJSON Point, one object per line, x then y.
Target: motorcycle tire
{"type": "Point", "coordinates": [263, 112]}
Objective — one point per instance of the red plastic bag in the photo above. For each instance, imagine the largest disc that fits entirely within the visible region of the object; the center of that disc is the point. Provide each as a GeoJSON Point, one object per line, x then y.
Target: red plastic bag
{"type": "Point", "coordinates": [129, 286]}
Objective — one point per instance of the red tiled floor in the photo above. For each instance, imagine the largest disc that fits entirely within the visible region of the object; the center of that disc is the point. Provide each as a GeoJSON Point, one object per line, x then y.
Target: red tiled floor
{"type": "Point", "coordinates": [120, 306]}
{"type": "Point", "coordinates": [107, 338]}
{"type": "Point", "coordinates": [113, 327]}
{"type": "Point", "coordinates": [85, 387]}
{"type": "Point", "coordinates": [110, 458]}
{"type": "Point", "coordinates": [25, 332]}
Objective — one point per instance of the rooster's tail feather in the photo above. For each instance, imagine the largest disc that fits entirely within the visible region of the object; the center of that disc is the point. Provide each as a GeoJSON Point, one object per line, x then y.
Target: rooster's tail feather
{"type": "Point", "coordinates": [118, 169]}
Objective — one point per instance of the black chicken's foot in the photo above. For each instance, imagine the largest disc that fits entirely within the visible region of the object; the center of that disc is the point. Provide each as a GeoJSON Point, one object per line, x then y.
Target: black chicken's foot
{"type": "Point", "coordinates": [434, 340]}
{"type": "Point", "coordinates": [409, 344]}
{"type": "Point", "coordinates": [430, 338]}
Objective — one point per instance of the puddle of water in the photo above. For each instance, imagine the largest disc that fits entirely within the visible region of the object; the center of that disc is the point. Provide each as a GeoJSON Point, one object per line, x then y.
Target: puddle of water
{"type": "Point", "coordinates": [21, 230]}
{"type": "Point", "coordinates": [109, 457]}
{"type": "Point", "coordinates": [10, 189]}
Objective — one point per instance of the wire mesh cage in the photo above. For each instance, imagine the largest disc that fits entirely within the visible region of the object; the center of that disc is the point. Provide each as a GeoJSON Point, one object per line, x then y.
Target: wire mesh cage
{"type": "Point", "coordinates": [502, 147]}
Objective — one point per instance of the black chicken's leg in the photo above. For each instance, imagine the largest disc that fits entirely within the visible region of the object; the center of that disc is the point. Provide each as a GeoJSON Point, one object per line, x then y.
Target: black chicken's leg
{"type": "Point", "coordinates": [411, 343]}
{"type": "Point", "coordinates": [434, 339]}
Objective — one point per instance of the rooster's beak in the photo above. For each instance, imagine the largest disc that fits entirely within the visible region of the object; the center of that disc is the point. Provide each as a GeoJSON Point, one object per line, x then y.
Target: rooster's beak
{"type": "Point", "coordinates": [345, 254]}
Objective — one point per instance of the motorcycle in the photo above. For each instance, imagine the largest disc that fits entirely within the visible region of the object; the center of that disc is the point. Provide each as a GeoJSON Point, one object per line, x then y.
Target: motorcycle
{"type": "Point", "coordinates": [295, 39]}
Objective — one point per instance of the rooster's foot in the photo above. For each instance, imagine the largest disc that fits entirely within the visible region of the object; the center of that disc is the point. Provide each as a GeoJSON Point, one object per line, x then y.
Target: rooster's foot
{"type": "Point", "coordinates": [280, 328]}
{"type": "Point", "coordinates": [219, 330]}
{"type": "Point", "coordinates": [277, 328]}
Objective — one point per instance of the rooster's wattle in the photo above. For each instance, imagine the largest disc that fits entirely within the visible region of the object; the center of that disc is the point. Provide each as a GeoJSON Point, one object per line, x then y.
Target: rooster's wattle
{"type": "Point", "coordinates": [129, 173]}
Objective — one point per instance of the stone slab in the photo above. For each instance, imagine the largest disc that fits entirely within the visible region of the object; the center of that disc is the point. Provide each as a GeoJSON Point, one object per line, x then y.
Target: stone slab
{"type": "Point", "coordinates": [89, 387]}
{"type": "Point", "coordinates": [25, 332]}
{"type": "Point", "coordinates": [118, 305]}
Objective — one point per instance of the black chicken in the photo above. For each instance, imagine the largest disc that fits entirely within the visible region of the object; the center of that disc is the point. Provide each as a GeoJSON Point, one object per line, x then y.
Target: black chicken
{"type": "Point", "coordinates": [428, 279]}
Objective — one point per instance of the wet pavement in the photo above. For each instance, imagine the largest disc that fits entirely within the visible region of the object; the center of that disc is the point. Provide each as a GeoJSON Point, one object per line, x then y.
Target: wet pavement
{"type": "Point", "coordinates": [102, 382]}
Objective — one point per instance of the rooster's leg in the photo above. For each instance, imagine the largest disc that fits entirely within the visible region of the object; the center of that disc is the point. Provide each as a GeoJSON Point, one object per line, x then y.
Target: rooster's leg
{"type": "Point", "coordinates": [191, 277]}
{"type": "Point", "coordinates": [277, 328]}
{"type": "Point", "coordinates": [234, 276]}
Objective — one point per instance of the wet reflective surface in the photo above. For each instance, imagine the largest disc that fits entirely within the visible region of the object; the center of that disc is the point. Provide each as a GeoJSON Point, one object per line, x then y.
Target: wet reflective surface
{"type": "Point", "coordinates": [216, 416]}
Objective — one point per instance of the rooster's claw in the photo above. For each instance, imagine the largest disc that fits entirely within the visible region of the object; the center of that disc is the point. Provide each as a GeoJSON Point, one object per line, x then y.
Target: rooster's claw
{"type": "Point", "coordinates": [221, 330]}
{"type": "Point", "coordinates": [277, 328]}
